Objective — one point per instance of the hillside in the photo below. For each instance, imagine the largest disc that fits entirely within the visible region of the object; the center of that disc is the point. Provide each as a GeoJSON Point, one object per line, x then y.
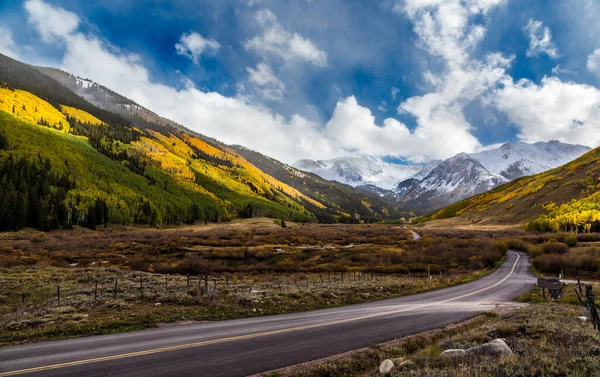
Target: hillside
{"type": "Point", "coordinates": [469, 174]}
{"type": "Point", "coordinates": [336, 196]}
{"type": "Point", "coordinates": [563, 199]}
{"type": "Point", "coordinates": [65, 161]}
{"type": "Point", "coordinates": [329, 201]}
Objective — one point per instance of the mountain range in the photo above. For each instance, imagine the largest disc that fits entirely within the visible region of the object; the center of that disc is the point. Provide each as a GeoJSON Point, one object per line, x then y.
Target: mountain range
{"type": "Point", "coordinates": [73, 152]}
{"type": "Point", "coordinates": [107, 159]}
{"type": "Point", "coordinates": [425, 187]}
{"type": "Point", "coordinates": [564, 199]}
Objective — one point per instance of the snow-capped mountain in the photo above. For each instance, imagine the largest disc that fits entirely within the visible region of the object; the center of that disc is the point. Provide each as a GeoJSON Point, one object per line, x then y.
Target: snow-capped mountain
{"type": "Point", "coordinates": [515, 160]}
{"type": "Point", "coordinates": [360, 171]}
{"type": "Point", "coordinates": [465, 175]}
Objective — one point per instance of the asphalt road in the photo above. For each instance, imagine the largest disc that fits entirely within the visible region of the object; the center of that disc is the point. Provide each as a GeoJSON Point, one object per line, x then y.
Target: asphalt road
{"type": "Point", "coordinates": [247, 346]}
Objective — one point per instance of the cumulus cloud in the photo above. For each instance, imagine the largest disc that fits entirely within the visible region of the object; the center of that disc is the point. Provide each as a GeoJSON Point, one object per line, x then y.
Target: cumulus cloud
{"type": "Point", "coordinates": [271, 87]}
{"type": "Point", "coordinates": [593, 62]}
{"type": "Point", "coordinates": [277, 41]}
{"type": "Point", "coordinates": [540, 40]}
{"type": "Point", "coordinates": [51, 22]}
{"type": "Point", "coordinates": [7, 45]}
{"type": "Point", "coordinates": [552, 110]}
{"type": "Point", "coordinates": [446, 30]}
{"type": "Point", "coordinates": [354, 127]}
{"type": "Point", "coordinates": [193, 45]}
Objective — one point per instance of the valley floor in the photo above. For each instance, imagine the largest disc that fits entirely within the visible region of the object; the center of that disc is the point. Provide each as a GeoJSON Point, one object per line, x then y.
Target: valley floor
{"type": "Point", "coordinates": [65, 284]}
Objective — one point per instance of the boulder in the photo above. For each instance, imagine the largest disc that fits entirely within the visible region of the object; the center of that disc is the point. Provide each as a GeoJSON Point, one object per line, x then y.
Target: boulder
{"type": "Point", "coordinates": [496, 347]}
{"type": "Point", "coordinates": [583, 318]}
{"type": "Point", "coordinates": [386, 366]}
{"type": "Point", "coordinates": [404, 365]}
{"type": "Point", "coordinates": [453, 354]}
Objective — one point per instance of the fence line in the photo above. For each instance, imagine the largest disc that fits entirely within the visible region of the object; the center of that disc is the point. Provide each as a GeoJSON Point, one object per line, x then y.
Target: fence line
{"type": "Point", "coordinates": [154, 286]}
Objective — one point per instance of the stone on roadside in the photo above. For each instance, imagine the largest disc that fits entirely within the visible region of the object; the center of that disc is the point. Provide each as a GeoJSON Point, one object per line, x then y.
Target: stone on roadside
{"type": "Point", "coordinates": [583, 318]}
{"type": "Point", "coordinates": [403, 365]}
{"type": "Point", "coordinates": [386, 366]}
{"type": "Point", "coordinates": [496, 347]}
{"type": "Point", "coordinates": [453, 354]}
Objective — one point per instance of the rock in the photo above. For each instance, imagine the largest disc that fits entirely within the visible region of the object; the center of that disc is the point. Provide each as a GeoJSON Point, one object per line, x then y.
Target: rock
{"type": "Point", "coordinates": [583, 318]}
{"type": "Point", "coordinates": [386, 366]}
{"type": "Point", "coordinates": [157, 304]}
{"type": "Point", "coordinates": [453, 354]}
{"type": "Point", "coordinates": [496, 347]}
{"type": "Point", "coordinates": [257, 292]}
{"type": "Point", "coordinates": [402, 364]}
{"type": "Point", "coordinates": [405, 365]}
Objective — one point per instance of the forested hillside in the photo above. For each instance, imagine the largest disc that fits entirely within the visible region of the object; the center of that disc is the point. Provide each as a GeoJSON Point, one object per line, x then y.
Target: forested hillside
{"type": "Point", "coordinates": [562, 199]}
{"type": "Point", "coordinates": [65, 162]}
{"type": "Point", "coordinates": [341, 200]}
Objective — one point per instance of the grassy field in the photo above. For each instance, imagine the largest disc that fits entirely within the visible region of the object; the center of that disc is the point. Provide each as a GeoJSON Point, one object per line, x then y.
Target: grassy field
{"type": "Point", "coordinates": [254, 267]}
{"type": "Point", "coordinates": [547, 339]}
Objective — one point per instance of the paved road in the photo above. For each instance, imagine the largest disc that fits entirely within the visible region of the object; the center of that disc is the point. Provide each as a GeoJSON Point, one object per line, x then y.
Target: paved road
{"type": "Point", "coordinates": [415, 235]}
{"type": "Point", "coordinates": [246, 346]}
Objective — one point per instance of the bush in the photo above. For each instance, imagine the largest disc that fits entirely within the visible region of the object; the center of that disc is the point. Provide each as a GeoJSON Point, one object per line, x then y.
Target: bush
{"type": "Point", "coordinates": [571, 241]}
{"type": "Point", "coordinates": [555, 248]}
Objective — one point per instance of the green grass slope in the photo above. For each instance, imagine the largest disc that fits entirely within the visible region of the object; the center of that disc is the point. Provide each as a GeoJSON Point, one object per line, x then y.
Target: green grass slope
{"type": "Point", "coordinates": [153, 197]}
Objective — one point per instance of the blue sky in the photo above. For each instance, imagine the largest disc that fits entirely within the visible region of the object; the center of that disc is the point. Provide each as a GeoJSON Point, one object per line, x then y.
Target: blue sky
{"type": "Point", "coordinates": [404, 80]}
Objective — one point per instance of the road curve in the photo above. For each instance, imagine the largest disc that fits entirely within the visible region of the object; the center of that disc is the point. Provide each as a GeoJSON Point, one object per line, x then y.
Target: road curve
{"type": "Point", "coordinates": [247, 346]}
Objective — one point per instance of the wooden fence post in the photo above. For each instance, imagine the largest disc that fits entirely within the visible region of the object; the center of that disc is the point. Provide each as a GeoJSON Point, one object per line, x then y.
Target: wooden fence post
{"type": "Point", "coordinates": [141, 287]}
{"type": "Point", "coordinates": [96, 291]}
{"type": "Point", "coordinates": [116, 288]}
{"type": "Point", "coordinates": [58, 294]}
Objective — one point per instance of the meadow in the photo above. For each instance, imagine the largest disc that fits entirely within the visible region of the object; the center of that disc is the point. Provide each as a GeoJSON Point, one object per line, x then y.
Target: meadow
{"type": "Point", "coordinates": [122, 279]}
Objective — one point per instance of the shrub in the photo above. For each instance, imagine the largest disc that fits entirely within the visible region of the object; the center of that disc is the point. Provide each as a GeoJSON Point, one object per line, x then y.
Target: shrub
{"type": "Point", "coordinates": [555, 248]}
{"type": "Point", "coordinates": [571, 241]}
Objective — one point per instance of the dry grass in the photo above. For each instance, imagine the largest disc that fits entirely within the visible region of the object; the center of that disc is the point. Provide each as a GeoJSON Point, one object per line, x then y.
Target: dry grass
{"type": "Point", "coordinates": [301, 267]}
{"type": "Point", "coordinates": [547, 340]}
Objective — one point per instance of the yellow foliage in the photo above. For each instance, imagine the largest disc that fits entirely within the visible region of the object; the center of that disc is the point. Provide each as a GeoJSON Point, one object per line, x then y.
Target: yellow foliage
{"type": "Point", "coordinates": [81, 115]}
{"type": "Point", "coordinates": [32, 109]}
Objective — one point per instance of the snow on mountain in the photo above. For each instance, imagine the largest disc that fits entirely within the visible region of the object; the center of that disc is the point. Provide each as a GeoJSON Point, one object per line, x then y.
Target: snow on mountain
{"type": "Point", "coordinates": [514, 160]}
{"type": "Point", "coordinates": [465, 175]}
{"type": "Point", "coordinates": [360, 171]}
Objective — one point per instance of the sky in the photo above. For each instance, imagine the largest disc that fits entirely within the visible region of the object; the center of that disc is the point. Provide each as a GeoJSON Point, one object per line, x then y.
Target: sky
{"type": "Point", "coordinates": [402, 80]}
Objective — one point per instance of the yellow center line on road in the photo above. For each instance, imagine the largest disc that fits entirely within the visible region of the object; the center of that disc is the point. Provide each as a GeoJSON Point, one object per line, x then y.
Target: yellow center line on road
{"type": "Point", "coordinates": [255, 335]}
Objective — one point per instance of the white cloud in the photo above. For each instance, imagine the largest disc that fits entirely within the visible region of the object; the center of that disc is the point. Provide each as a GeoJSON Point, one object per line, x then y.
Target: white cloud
{"type": "Point", "coordinates": [444, 27]}
{"type": "Point", "coordinates": [7, 45]}
{"type": "Point", "coordinates": [394, 91]}
{"type": "Point", "coordinates": [277, 41]}
{"type": "Point", "coordinates": [593, 62]}
{"type": "Point", "coordinates": [558, 70]}
{"type": "Point", "coordinates": [353, 126]}
{"type": "Point", "coordinates": [540, 40]}
{"type": "Point", "coordinates": [52, 23]}
{"type": "Point", "coordinates": [270, 86]}
{"type": "Point", "coordinates": [552, 110]}
{"type": "Point", "coordinates": [446, 30]}
{"type": "Point", "coordinates": [193, 45]}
